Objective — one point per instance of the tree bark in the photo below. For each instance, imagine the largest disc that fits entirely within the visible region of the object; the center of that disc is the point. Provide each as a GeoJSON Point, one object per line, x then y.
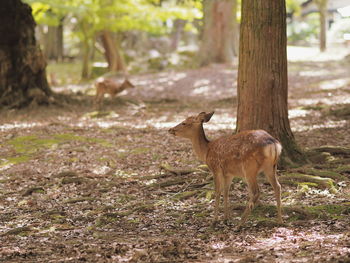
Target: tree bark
{"type": "Point", "coordinates": [53, 48]}
{"type": "Point", "coordinates": [113, 55]}
{"type": "Point", "coordinates": [322, 7]}
{"type": "Point", "coordinates": [178, 29]}
{"type": "Point", "coordinates": [86, 50]}
{"type": "Point", "coordinates": [262, 74]}
{"type": "Point", "coordinates": [217, 44]}
{"type": "Point", "coordinates": [22, 64]}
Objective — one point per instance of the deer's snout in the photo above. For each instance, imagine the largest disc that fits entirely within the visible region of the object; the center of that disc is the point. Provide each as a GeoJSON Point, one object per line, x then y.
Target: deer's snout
{"type": "Point", "coordinates": [172, 131]}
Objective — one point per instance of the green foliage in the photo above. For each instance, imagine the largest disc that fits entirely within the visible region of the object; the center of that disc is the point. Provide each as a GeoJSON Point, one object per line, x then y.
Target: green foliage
{"type": "Point", "coordinates": [113, 15]}
{"type": "Point", "coordinates": [305, 30]}
{"type": "Point", "coordinates": [293, 6]}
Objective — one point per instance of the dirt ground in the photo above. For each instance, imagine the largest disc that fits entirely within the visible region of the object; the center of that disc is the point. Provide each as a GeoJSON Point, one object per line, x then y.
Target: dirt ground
{"type": "Point", "coordinates": [78, 185]}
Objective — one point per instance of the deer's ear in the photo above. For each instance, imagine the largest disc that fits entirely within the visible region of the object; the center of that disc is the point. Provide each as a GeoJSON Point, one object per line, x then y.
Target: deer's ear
{"type": "Point", "coordinates": [205, 117]}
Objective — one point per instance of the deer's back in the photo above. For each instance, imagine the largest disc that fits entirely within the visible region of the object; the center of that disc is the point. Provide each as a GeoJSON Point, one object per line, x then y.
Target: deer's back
{"type": "Point", "coordinates": [108, 86]}
{"type": "Point", "coordinates": [235, 148]}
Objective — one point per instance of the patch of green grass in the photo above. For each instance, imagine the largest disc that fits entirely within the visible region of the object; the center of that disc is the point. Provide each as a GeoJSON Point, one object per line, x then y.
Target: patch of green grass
{"type": "Point", "coordinates": [27, 146]}
{"type": "Point", "coordinates": [333, 211]}
{"type": "Point", "coordinates": [30, 144]}
{"type": "Point", "coordinates": [124, 198]}
{"type": "Point", "coordinates": [140, 150]}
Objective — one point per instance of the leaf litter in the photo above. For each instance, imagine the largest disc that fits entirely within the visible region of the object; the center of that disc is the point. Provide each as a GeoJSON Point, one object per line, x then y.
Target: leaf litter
{"type": "Point", "coordinates": [78, 185]}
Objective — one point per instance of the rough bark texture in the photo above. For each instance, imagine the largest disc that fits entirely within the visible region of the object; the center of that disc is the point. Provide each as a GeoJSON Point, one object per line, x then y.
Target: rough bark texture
{"type": "Point", "coordinates": [113, 55]}
{"type": "Point", "coordinates": [262, 73]}
{"type": "Point", "coordinates": [217, 44]}
{"type": "Point", "coordinates": [22, 65]}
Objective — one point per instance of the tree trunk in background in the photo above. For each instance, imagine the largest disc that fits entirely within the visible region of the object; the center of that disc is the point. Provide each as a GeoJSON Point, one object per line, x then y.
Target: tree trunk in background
{"type": "Point", "coordinates": [262, 74]}
{"type": "Point", "coordinates": [86, 50]}
{"type": "Point", "coordinates": [60, 41]}
{"type": "Point", "coordinates": [235, 34]}
{"type": "Point", "coordinates": [22, 64]}
{"type": "Point", "coordinates": [178, 29]}
{"type": "Point", "coordinates": [322, 8]}
{"type": "Point", "coordinates": [113, 55]}
{"type": "Point", "coordinates": [86, 71]}
{"type": "Point", "coordinates": [217, 44]}
{"type": "Point", "coordinates": [53, 47]}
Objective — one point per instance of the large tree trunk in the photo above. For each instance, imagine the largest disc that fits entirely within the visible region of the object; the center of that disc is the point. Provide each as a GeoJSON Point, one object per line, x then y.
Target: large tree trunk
{"type": "Point", "coordinates": [22, 65]}
{"type": "Point", "coordinates": [322, 7]}
{"type": "Point", "coordinates": [262, 73]}
{"type": "Point", "coordinates": [217, 44]}
{"type": "Point", "coordinates": [113, 55]}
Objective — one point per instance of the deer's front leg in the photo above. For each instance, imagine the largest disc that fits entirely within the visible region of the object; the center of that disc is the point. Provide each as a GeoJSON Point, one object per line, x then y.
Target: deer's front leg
{"type": "Point", "coordinates": [227, 185]}
{"type": "Point", "coordinates": [218, 190]}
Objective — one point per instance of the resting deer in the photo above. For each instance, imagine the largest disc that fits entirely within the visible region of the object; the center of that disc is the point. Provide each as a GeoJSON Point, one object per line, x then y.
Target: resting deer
{"type": "Point", "coordinates": [107, 86]}
{"type": "Point", "coordinates": [245, 154]}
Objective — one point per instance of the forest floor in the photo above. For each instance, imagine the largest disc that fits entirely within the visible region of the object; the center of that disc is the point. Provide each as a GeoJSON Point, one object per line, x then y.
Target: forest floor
{"type": "Point", "coordinates": [80, 185]}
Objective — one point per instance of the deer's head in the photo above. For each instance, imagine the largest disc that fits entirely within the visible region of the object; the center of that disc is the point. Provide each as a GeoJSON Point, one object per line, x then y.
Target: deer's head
{"type": "Point", "coordinates": [189, 127]}
{"type": "Point", "coordinates": [127, 84]}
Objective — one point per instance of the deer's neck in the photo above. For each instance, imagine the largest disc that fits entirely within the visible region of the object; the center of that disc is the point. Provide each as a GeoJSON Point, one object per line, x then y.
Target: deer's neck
{"type": "Point", "coordinates": [200, 144]}
{"type": "Point", "coordinates": [120, 88]}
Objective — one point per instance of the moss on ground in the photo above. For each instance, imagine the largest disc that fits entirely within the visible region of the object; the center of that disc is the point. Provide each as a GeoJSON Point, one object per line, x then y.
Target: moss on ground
{"type": "Point", "coordinates": [27, 146]}
{"type": "Point", "coordinates": [262, 213]}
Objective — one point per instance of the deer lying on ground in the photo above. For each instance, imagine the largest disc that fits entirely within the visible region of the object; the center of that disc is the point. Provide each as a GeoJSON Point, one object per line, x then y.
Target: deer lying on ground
{"type": "Point", "coordinates": [245, 154]}
{"type": "Point", "coordinates": [107, 86]}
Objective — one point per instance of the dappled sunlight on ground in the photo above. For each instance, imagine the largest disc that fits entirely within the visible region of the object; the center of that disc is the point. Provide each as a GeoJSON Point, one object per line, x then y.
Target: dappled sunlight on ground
{"type": "Point", "coordinates": [293, 113]}
{"type": "Point", "coordinates": [19, 125]}
{"type": "Point", "coordinates": [335, 84]}
{"type": "Point", "coordinates": [99, 176]}
{"type": "Point", "coordinates": [305, 125]}
{"type": "Point", "coordinates": [297, 53]}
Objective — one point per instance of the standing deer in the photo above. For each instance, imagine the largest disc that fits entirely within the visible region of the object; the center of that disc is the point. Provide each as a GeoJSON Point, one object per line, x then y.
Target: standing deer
{"type": "Point", "coordinates": [245, 155]}
{"type": "Point", "coordinates": [108, 86]}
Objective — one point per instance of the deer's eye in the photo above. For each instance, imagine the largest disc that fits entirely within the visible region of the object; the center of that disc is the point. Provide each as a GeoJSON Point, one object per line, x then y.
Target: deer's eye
{"type": "Point", "coordinates": [183, 123]}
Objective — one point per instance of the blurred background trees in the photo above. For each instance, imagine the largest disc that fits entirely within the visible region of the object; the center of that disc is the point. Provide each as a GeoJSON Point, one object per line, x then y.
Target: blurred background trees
{"type": "Point", "coordinates": [152, 35]}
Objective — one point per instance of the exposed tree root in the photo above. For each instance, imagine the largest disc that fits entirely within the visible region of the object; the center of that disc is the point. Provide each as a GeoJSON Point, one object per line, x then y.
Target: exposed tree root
{"type": "Point", "coordinates": [335, 150]}
{"type": "Point", "coordinates": [177, 171]}
{"type": "Point", "coordinates": [295, 178]}
{"type": "Point", "coordinates": [322, 173]}
{"type": "Point", "coordinates": [33, 190]}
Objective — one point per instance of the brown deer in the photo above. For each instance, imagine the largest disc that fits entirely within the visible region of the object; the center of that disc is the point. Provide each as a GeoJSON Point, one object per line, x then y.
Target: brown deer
{"type": "Point", "coordinates": [244, 154]}
{"type": "Point", "coordinates": [108, 86]}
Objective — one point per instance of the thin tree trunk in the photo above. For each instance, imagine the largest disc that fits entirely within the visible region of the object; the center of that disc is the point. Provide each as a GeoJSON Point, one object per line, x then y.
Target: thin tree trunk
{"type": "Point", "coordinates": [262, 74]}
{"type": "Point", "coordinates": [113, 54]}
{"type": "Point", "coordinates": [85, 74]}
{"type": "Point", "coordinates": [50, 43]}
{"type": "Point", "coordinates": [22, 64]}
{"type": "Point", "coordinates": [87, 47]}
{"type": "Point", "coordinates": [235, 30]}
{"type": "Point", "coordinates": [53, 47]}
{"type": "Point", "coordinates": [179, 25]}
{"type": "Point", "coordinates": [60, 41]}
{"type": "Point", "coordinates": [322, 7]}
{"type": "Point", "coordinates": [217, 45]}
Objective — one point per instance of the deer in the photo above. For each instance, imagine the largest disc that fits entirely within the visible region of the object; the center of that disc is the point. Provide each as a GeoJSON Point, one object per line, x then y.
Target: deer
{"type": "Point", "coordinates": [244, 154]}
{"type": "Point", "coordinates": [108, 86]}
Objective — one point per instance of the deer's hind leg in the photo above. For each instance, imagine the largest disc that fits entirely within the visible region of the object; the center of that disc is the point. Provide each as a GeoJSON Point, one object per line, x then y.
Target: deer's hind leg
{"type": "Point", "coordinates": [253, 190]}
{"type": "Point", "coordinates": [226, 189]}
{"type": "Point", "coordinates": [270, 173]}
